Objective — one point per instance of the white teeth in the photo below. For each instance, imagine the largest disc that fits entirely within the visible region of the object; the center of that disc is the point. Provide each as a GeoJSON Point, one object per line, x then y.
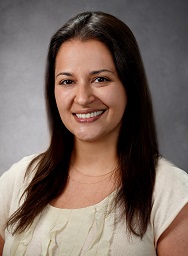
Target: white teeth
{"type": "Point", "coordinates": [89, 115]}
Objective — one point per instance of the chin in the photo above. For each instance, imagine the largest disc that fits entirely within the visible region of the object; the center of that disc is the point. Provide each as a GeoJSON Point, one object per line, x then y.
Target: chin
{"type": "Point", "coordinates": [87, 138]}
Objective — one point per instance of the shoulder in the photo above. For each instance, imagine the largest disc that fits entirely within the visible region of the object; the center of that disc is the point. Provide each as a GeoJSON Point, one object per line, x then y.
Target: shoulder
{"type": "Point", "coordinates": [170, 179]}
{"type": "Point", "coordinates": [12, 185]}
{"type": "Point", "coordinates": [169, 197]}
{"type": "Point", "coordinates": [17, 171]}
{"type": "Point", "coordinates": [15, 179]}
{"type": "Point", "coordinates": [166, 169]}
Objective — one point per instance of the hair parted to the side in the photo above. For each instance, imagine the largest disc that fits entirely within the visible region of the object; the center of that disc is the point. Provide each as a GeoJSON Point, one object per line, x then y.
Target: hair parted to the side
{"type": "Point", "coordinates": [137, 143]}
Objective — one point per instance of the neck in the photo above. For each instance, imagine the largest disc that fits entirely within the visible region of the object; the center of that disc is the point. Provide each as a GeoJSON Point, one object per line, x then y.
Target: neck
{"type": "Point", "coordinates": [94, 157]}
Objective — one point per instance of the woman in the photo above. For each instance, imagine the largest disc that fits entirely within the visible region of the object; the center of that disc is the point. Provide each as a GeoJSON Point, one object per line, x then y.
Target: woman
{"type": "Point", "coordinates": [101, 187]}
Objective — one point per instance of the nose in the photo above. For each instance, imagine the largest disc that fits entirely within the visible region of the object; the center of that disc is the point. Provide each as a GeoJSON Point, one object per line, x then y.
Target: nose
{"type": "Point", "coordinates": [84, 94]}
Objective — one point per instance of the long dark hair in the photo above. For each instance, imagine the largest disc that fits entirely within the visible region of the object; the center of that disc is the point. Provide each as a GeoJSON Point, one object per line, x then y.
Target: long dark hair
{"type": "Point", "coordinates": [137, 147]}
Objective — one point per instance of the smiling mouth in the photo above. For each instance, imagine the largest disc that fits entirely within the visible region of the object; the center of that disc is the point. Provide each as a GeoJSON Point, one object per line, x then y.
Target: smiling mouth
{"type": "Point", "coordinates": [90, 115]}
{"type": "Point", "coordinates": [93, 114]}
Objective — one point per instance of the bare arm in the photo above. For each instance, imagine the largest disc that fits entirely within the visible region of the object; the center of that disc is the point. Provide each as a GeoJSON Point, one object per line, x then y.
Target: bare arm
{"type": "Point", "coordinates": [174, 241]}
{"type": "Point", "coordinates": [1, 245]}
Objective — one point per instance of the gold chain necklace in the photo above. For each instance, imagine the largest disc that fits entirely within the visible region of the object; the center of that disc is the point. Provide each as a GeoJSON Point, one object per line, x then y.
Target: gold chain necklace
{"type": "Point", "coordinates": [110, 175]}
{"type": "Point", "coordinates": [88, 182]}
{"type": "Point", "coordinates": [116, 167]}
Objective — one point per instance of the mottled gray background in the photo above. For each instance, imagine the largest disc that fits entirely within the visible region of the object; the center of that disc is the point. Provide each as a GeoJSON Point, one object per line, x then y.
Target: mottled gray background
{"type": "Point", "coordinates": [161, 29]}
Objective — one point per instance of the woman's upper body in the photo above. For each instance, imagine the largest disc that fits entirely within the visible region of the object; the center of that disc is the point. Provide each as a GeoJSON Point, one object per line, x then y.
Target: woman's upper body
{"type": "Point", "coordinates": [97, 229]}
{"type": "Point", "coordinates": [100, 188]}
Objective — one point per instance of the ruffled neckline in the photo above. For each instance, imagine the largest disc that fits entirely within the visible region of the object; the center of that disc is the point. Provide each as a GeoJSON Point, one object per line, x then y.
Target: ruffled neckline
{"type": "Point", "coordinates": [97, 205]}
{"type": "Point", "coordinates": [83, 231]}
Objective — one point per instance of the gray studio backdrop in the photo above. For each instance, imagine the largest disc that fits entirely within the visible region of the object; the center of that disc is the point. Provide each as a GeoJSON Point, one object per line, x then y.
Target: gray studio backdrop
{"type": "Point", "coordinates": [161, 29]}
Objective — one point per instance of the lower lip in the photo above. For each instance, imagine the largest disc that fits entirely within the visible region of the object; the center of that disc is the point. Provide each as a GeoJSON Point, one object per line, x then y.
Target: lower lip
{"type": "Point", "coordinates": [87, 120]}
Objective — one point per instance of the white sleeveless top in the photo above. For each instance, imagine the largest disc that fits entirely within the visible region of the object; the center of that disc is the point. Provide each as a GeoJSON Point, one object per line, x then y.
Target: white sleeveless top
{"type": "Point", "coordinates": [93, 230]}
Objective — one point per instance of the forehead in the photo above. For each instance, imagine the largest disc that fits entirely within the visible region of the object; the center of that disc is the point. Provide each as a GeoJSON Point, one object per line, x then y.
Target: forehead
{"type": "Point", "coordinates": [90, 52]}
{"type": "Point", "coordinates": [79, 43]}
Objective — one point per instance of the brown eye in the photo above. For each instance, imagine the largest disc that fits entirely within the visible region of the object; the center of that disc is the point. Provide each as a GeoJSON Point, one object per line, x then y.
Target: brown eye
{"type": "Point", "coordinates": [66, 82]}
{"type": "Point", "coordinates": [101, 79]}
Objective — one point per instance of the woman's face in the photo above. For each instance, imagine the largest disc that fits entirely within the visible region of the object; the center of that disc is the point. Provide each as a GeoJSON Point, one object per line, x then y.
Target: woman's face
{"type": "Point", "coordinates": [89, 94]}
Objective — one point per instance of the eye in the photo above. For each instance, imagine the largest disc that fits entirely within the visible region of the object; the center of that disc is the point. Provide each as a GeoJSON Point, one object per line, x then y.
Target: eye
{"type": "Point", "coordinates": [66, 82]}
{"type": "Point", "coordinates": [101, 79]}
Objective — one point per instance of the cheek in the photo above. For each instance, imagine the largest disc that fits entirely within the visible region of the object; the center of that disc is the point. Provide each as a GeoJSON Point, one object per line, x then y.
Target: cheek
{"type": "Point", "coordinates": [117, 100]}
{"type": "Point", "coordinates": [123, 101]}
{"type": "Point", "coordinates": [121, 97]}
{"type": "Point", "coordinates": [62, 100]}
{"type": "Point", "coordinates": [57, 96]}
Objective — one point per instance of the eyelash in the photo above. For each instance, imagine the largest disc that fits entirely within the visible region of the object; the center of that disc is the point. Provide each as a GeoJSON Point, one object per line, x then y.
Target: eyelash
{"type": "Point", "coordinates": [104, 79]}
{"type": "Point", "coordinates": [99, 79]}
{"type": "Point", "coordinates": [66, 82]}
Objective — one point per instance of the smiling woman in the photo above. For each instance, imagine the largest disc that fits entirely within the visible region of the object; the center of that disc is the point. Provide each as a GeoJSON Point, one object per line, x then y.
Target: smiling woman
{"type": "Point", "coordinates": [101, 188]}
{"type": "Point", "coordinates": [89, 94]}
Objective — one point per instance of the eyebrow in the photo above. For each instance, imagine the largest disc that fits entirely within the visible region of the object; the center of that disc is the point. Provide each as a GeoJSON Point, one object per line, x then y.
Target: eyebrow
{"type": "Point", "coordinates": [94, 72]}
{"type": "Point", "coordinates": [64, 73]}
